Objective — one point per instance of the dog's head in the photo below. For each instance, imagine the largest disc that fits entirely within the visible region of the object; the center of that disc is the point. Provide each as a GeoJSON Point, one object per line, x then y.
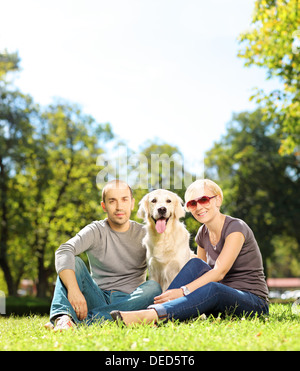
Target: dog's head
{"type": "Point", "coordinates": [159, 207]}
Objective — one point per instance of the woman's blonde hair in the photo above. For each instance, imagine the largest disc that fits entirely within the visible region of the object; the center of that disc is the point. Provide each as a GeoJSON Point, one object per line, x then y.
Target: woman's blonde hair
{"type": "Point", "coordinates": [196, 189]}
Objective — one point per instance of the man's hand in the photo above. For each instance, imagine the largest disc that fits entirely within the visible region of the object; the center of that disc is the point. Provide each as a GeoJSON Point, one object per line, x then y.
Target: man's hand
{"type": "Point", "coordinates": [75, 296]}
{"type": "Point", "coordinates": [78, 302]}
{"type": "Point", "coordinates": [168, 296]}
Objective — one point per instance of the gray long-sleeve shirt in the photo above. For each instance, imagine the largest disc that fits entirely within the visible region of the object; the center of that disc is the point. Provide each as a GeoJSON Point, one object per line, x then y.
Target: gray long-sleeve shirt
{"type": "Point", "coordinates": [117, 259]}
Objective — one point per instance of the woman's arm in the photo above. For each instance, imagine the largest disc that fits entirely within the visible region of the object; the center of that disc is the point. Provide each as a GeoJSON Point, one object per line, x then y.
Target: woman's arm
{"type": "Point", "coordinates": [201, 254]}
{"type": "Point", "coordinates": [232, 247]}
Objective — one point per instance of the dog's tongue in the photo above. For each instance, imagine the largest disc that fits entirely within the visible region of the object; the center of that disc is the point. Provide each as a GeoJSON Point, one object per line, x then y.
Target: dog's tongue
{"type": "Point", "coordinates": [161, 225]}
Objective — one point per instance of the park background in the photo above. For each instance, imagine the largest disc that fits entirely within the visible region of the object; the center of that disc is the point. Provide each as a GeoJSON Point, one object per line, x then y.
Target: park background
{"type": "Point", "coordinates": [214, 82]}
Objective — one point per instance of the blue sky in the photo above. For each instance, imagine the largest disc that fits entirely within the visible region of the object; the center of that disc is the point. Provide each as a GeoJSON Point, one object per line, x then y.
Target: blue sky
{"type": "Point", "coordinates": [164, 69]}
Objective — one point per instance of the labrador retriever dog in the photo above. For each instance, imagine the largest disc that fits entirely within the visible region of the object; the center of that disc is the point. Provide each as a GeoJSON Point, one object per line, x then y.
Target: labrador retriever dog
{"type": "Point", "coordinates": [166, 240]}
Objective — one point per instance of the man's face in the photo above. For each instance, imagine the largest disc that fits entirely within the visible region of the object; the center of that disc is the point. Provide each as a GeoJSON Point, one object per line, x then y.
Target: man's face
{"type": "Point", "coordinates": [118, 205]}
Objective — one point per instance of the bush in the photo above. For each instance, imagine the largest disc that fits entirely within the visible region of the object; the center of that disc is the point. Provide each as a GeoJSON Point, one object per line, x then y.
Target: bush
{"type": "Point", "coordinates": [27, 305]}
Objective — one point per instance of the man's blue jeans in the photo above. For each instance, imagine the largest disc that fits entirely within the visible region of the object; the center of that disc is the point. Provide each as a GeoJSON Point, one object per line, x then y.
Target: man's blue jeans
{"type": "Point", "coordinates": [212, 298]}
{"type": "Point", "coordinates": [100, 302]}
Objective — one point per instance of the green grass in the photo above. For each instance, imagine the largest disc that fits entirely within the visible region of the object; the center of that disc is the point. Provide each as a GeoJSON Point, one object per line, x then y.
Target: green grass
{"type": "Point", "coordinates": [278, 331]}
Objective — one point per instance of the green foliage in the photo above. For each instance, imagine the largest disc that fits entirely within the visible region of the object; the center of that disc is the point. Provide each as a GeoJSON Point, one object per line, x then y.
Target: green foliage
{"type": "Point", "coordinates": [284, 261]}
{"type": "Point", "coordinates": [16, 145]}
{"type": "Point", "coordinates": [168, 169]}
{"type": "Point", "coordinates": [8, 62]}
{"type": "Point", "coordinates": [260, 186]}
{"type": "Point", "coordinates": [3, 286]}
{"type": "Point", "coordinates": [272, 42]}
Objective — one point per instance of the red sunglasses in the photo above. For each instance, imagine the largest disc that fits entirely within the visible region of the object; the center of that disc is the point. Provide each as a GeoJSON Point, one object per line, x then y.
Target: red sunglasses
{"type": "Point", "coordinates": [204, 200]}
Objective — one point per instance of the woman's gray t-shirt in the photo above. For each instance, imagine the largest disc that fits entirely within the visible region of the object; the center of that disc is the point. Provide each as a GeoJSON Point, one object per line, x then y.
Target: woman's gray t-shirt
{"type": "Point", "coordinates": [246, 273]}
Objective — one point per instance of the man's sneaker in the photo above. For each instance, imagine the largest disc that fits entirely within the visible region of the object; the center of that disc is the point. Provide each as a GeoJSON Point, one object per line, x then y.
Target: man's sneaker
{"type": "Point", "coordinates": [63, 323]}
{"type": "Point", "coordinates": [49, 326]}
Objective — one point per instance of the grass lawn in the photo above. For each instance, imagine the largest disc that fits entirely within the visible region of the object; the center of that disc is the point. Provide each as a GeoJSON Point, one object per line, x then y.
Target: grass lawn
{"type": "Point", "coordinates": [278, 331]}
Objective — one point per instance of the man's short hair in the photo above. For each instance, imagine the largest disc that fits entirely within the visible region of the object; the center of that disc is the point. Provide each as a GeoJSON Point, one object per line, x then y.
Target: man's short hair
{"type": "Point", "coordinates": [117, 183]}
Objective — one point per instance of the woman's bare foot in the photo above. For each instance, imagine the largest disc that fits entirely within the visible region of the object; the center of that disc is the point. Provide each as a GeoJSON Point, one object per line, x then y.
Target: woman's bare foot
{"type": "Point", "coordinates": [139, 316]}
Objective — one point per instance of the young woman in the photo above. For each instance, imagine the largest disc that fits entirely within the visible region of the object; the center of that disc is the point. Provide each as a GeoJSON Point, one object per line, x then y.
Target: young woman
{"type": "Point", "coordinates": [226, 277]}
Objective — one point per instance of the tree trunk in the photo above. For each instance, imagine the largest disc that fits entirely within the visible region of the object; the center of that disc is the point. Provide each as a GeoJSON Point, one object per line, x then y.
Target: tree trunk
{"type": "Point", "coordinates": [42, 284]}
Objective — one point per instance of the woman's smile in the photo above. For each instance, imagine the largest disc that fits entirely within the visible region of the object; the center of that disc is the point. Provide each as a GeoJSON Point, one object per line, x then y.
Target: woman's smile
{"type": "Point", "coordinates": [202, 213]}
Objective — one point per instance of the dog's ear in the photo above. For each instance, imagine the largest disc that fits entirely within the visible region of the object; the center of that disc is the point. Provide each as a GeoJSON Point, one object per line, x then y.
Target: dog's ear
{"type": "Point", "coordinates": [179, 209]}
{"type": "Point", "coordinates": [143, 211]}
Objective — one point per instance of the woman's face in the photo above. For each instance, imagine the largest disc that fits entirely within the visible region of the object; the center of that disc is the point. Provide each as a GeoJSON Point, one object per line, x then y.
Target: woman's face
{"type": "Point", "coordinates": [205, 213]}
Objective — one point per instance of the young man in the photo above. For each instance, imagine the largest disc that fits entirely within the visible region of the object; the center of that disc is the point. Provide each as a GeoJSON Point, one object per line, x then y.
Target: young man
{"type": "Point", "coordinates": [117, 262]}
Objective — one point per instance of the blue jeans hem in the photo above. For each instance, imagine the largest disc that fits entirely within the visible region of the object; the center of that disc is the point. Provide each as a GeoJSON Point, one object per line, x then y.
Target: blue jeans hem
{"type": "Point", "coordinates": [160, 310]}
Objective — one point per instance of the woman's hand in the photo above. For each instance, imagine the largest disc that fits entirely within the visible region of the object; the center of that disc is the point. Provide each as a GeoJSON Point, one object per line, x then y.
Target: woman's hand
{"type": "Point", "coordinates": [168, 296]}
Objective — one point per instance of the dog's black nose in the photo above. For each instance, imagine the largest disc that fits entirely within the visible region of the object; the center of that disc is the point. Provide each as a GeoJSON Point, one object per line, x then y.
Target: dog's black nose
{"type": "Point", "coordinates": [162, 210]}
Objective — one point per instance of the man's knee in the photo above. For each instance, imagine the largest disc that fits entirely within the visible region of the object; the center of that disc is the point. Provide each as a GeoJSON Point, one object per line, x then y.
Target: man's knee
{"type": "Point", "coordinates": [150, 289]}
{"type": "Point", "coordinates": [80, 266]}
{"type": "Point", "coordinates": [153, 287]}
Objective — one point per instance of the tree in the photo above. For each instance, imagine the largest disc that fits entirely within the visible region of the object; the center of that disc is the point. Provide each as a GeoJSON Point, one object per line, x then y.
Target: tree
{"type": "Point", "coordinates": [273, 43]}
{"type": "Point", "coordinates": [60, 181]}
{"type": "Point", "coordinates": [260, 186]}
{"type": "Point", "coordinates": [16, 142]}
{"type": "Point", "coordinates": [48, 168]}
{"type": "Point", "coordinates": [165, 167]}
